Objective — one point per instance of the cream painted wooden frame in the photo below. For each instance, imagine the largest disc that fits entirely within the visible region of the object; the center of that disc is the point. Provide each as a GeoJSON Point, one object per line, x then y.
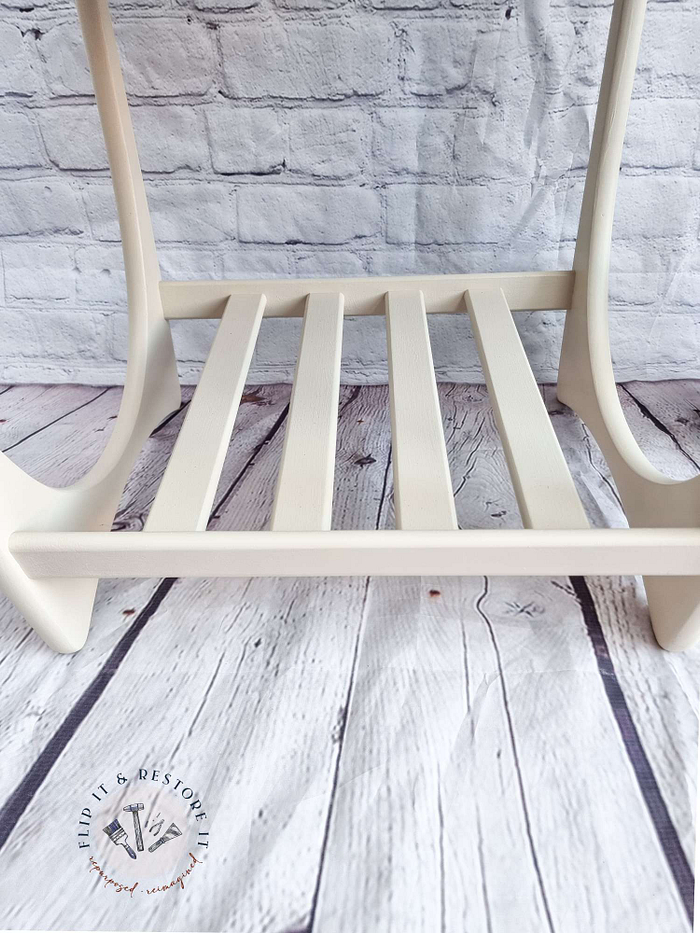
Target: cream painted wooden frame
{"type": "Point", "coordinates": [56, 543]}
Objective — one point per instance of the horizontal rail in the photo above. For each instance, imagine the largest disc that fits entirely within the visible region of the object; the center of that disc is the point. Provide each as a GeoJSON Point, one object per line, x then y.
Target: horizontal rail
{"type": "Point", "coordinates": [444, 294]}
{"type": "Point", "coordinates": [511, 552]}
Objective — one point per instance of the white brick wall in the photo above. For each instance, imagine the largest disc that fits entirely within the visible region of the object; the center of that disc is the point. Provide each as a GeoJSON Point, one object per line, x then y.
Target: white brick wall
{"type": "Point", "coordinates": [343, 137]}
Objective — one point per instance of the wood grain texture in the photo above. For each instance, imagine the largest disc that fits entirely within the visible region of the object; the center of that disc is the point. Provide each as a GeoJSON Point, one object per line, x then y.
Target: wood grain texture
{"type": "Point", "coordinates": [485, 709]}
{"type": "Point", "coordinates": [286, 787]}
{"type": "Point", "coordinates": [663, 697]}
{"type": "Point", "coordinates": [28, 412]}
{"type": "Point", "coordinates": [52, 684]}
{"type": "Point", "coordinates": [404, 754]}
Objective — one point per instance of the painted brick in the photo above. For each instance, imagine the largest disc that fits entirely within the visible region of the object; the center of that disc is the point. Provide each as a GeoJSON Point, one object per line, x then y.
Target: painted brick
{"type": "Point", "coordinates": [168, 58]}
{"type": "Point", "coordinates": [564, 141]}
{"type": "Point", "coordinates": [20, 145]}
{"type": "Point", "coordinates": [100, 275]}
{"type": "Point", "coordinates": [633, 288]}
{"type": "Point", "coordinates": [168, 138]}
{"type": "Point", "coordinates": [22, 4]}
{"type": "Point", "coordinates": [198, 213]}
{"type": "Point", "coordinates": [469, 131]}
{"type": "Point", "coordinates": [682, 292]}
{"type": "Point", "coordinates": [447, 56]}
{"type": "Point", "coordinates": [190, 212]}
{"type": "Point", "coordinates": [410, 260]}
{"type": "Point", "coordinates": [310, 4]}
{"type": "Point", "coordinates": [256, 263]}
{"type": "Point", "coordinates": [101, 212]}
{"type": "Point", "coordinates": [493, 147]}
{"type": "Point", "coordinates": [414, 141]}
{"type": "Point", "coordinates": [328, 143]}
{"type": "Point", "coordinates": [648, 206]}
{"type": "Point", "coordinates": [671, 343]}
{"type": "Point", "coordinates": [661, 133]}
{"type": "Point", "coordinates": [162, 59]}
{"type": "Point", "coordinates": [49, 335]}
{"type": "Point", "coordinates": [36, 272]}
{"type": "Point", "coordinates": [118, 335]}
{"type": "Point", "coordinates": [405, 4]}
{"type": "Point", "coordinates": [43, 207]}
{"type": "Point", "coordinates": [65, 61]}
{"type": "Point", "coordinates": [224, 6]}
{"type": "Point", "coordinates": [246, 141]}
{"type": "Point", "coordinates": [192, 341]}
{"type": "Point", "coordinates": [324, 264]}
{"type": "Point", "coordinates": [285, 214]}
{"type": "Point", "coordinates": [278, 340]}
{"type": "Point", "coordinates": [476, 214]}
{"type": "Point", "coordinates": [73, 137]}
{"type": "Point", "coordinates": [570, 196]}
{"type": "Point", "coordinates": [19, 64]}
{"type": "Point", "coordinates": [297, 61]}
{"type": "Point", "coordinates": [670, 53]}
{"type": "Point", "coordinates": [178, 263]}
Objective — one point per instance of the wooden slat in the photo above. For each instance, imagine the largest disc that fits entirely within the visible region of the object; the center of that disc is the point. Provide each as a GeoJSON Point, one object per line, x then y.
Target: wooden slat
{"type": "Point", "coordinates": [189, 484]}
{"type": "Point", "coordinates": [545, 491]}
{"type": "Point", "coordinates": [304, 495]}
{"type": "Point", "coordinates": [422, 486]}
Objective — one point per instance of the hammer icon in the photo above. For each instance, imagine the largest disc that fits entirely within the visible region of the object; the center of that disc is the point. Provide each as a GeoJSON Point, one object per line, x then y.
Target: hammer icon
{"type": "Point", "coordinates": [134, 808]}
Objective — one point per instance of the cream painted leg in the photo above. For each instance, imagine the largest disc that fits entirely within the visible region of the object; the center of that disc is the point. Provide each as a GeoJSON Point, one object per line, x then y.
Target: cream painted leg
{"type": "Point", "coordinates": [674, 606]}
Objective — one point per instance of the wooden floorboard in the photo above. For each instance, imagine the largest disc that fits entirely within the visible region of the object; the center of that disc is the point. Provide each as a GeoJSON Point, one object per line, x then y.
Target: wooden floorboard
{"type": "Point", "coordinates": [485, 709]}
{"type": "Point", "coordinates": [53, 684]}
{"type": "Point", "coordinates": [664, 698]}
{"type": "Point", "coordinates": [32, 408]}
{"type": "Point", "coordinates": [660, 692]}
{"type": "Point", "coordinates": [383, 754]}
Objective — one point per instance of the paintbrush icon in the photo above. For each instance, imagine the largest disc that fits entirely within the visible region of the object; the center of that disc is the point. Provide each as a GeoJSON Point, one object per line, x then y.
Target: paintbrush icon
{"type": "Point", "coordinates": [117, 834]}
{"type": "Point", "coordinates": [170, 833]}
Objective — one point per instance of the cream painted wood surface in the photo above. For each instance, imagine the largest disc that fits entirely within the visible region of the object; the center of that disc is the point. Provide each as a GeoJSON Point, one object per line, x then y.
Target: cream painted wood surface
{"type": "Point", "coordinates": [469, 766]}
{"type": "Point", "coordinates": [423, 499]}
{"type": "Point", "coordinates": [39, 525]}
{"type": "Point", "coordinates": [444, 294]}
{"type": "Point", "coordinates": [543, 485]}
{"type": "Point", "coordinates": [304, 496]}
{"type": "Point", "coordinates": [189, 485]}
{"type": "Point", "coordinates": [673, 551]}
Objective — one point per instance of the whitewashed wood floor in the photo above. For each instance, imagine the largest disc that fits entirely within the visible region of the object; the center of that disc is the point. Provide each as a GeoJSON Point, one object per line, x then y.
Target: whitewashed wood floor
{"type": "Point", "coordinates": [480, 755]}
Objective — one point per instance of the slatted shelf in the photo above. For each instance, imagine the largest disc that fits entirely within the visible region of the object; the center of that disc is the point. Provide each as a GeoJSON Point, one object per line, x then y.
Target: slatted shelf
{"type": "Point", "coordinates": [188, 487]}
{"type": "Point", "coordinates": [304, 496]}
{"type": "Point", "coordinates": [423, 496]}
{"type": "Point", "coordinates": [545, 491]}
